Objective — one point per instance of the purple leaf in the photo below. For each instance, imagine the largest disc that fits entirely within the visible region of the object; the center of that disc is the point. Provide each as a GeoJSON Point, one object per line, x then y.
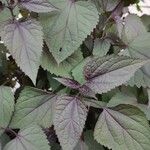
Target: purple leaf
{"type": "Point", "coordinates": [24, 40]}
{"type": "Point", "coordinates": [83, 89]}
{"type": "Point", "coordinates": [105, 73]}
{"type": "Point", "coordinates": [39, 6]}
{"type": "Point", "coordinates": [86, 91]}
{"type": "Point", "coordinates": [69, 119]}
{"type": "Point", "coordinates": [69, 82]}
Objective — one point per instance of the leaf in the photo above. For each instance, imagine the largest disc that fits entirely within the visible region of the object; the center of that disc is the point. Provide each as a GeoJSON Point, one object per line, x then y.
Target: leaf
{"type": "Point", "coordinates": [4, 139]}
{"type": "Point", "coordinates": [101, 47]}
{"type": "Point", "coordinates": [64, 68]}
{"type": "Point", "coordinates": [146, 21]}
{"type": "Point", "coordinates": [69, 83]}
{"type": "Point", "coordinates": [4, 15]}
{"type": "Point", "coordinates": [139, 48]}
{"type": "Point", "coordinates": [122, 98]}
{"type": "Point", "coordinates": [77, 72]}
{"type": "Point", "coordinates": [91, 143]}
{"type": "Point", "coordinates": [33, 106]}
{"type": "Point", "coordinates": [123, 127]}
{"type": "Point", "coordinates": [6, 107]}
{"type": "Point", "coordinates": [66, 30]}
{"type": "Point", "coordinates": [128, 98]}
{"type": "Point", "coordinates": [31, 138]}
{"type": "Point", "coordinates": [133, 27]}
{"type": "Point", "coordinates": [69, 119]}
{"type": "Point", "coordinates": [81, 146]}
{"type": "Point", "coordinates": [38, 6]}
{"type": "Point", "coordinates": [105, 73]}
{"type": "Point", "coordinates": [83, 89]}
{"type": "Point", "coordinates": [137, 40]}
{"type": "Point", "coordinates": [24, 41]}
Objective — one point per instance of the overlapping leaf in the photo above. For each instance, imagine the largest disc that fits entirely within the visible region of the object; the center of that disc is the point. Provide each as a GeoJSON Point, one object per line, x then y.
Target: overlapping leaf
{"type": "Point", "coordinates": [31, 138]}
{"type": "Point", "coordinates": [69, 120]}
{"type": "Point", "coordinates": [24, 41]}
{"type": "Point", "coordinates": [123, 127]}
{"type": "Point", "coordinates": [33, 106]}
{"type": "Point", "coordinates": [66, 30]}
{"type": "Point", "coordinates": [64, 68]}
{"type": "Point", "coordinates": [106, 73]}
{"type": "Point", "coordinates": [6, 107]}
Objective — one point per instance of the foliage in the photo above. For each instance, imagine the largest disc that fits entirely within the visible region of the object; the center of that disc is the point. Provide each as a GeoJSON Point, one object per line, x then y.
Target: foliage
{"type": "Point", "coordinates": [74, 75]}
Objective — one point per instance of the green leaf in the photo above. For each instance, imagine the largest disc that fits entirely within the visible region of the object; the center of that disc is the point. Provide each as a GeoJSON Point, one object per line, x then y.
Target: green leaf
{"type": "Point", "coordinates": [106, 73]}
{"type": "Point", "coordinates": [64, 68]}
{"type": "Point", "coordinates": [139, 48]}
{"type": "Point", "coordinates": [77, 72]}
{"type": "Point", "coordinates": [5, 15]}
{"type": "Point", "coordinates": [91, 143]}
{"type": "Point", "coordinates": [101, 47]}
{"type": "Point", "coordinates": [31, 138]}
{"type": "Point", "coordinates": [137, 40]}
{"type": "Point", "coordinates": [69, 119]}
{"type": "Point", "coordinates": [133, 27]}
{"type": "Point", "coordinates": [146, 21]}
{"type": "Point", "coordinates": [123, 128]}
{"type": "Point", "coordinates": [81, 146]}
{"type": "Point", "coordinates": [24, 40]}
{"type": "Point", "coordinates": [122, 98]}
{"type": "Point", "coordinates": [66, 30]}
{"type": "Point", "coordinates": [33, 106]}
{"type": "Point", "coordinates": [6, 107]}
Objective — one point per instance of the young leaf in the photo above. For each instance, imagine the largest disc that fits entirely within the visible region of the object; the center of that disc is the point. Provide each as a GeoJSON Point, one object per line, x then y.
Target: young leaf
{"type": "Point", "coordinates": [69, 119]}
{"type": "Point", "coordinates": [106, 73]}
{"type": "Point", "coordinates": [38, 6]}
{"type": "Point", "coordinates": [65, 31]}
{"type": "Point", "coordinates": [31, 138]}
{"type": "Point", "coordinates": [33, 106]}
{"type": "Point", "coordinates": [64, 68]}
{"type": "Point", "coordinates": [24, 41]}
{"type": "Point", "coordinates": [6, 107]}
{"type": "Point", "coordinates": [123, 127]}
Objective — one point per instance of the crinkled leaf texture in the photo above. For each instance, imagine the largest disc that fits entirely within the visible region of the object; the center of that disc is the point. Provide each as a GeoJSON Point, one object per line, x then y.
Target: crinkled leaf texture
{"type": "Point", "coordinates": [38, 6]}
{"type": "Point", "coordinates": [24, 40]}
{"type": "Point", "coordinates": [64, 68]}
{"type": "Point", "coordinates": [69, 119]}
{"type": "Point", "coordinates": [106, 73]}
{"type": "Point", "coordinates": [66, 30]}
{"type": "Point", "coordinates": [33, 106]}
{"type": "Point", "coordinates": [123, 128]}
{"type": "Point", "coordinates": [6, 107]}
{"type": "Point", "coordinates": [31, 138]}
